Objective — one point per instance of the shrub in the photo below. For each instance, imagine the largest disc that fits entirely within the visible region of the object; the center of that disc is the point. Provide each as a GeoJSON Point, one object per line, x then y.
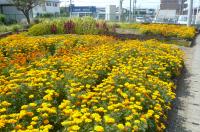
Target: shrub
{"type": "Point", "coordinates": [43, 28]}
{"type": "Point", "coordinates": [53, 29]}
{"type": "Point", "coordinates": [85, 25]}
{"type": "Point", "coordinates": [69, 27]}
{"type": "Point", "coordinates": [102, 27]}
{"type": "Point", "coordinates": [2, 19]}
{"type": "Point", "coordinates": [13, 28]}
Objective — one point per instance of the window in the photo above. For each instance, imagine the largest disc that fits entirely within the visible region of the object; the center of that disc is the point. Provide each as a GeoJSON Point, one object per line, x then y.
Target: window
{"type": "Point", "coordinates": [55, 4]}
{"type": "Point", "coordinates": [48, 3]}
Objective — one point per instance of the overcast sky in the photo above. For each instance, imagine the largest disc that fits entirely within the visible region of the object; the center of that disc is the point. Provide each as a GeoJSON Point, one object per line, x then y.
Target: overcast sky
{"type": "Point", "coordinates": [102, 3]}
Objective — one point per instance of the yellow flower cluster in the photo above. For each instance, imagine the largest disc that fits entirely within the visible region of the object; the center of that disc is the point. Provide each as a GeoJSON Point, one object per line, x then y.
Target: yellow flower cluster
{"type": "Point", "coordinates": [85, 83]}
{"type": "Point", "coordinates": [167, 30]}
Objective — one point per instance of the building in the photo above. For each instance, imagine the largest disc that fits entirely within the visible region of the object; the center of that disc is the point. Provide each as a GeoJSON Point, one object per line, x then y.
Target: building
{"type": "Point", "coordinates": [50, 6]}
{"type": "Point", "coordinates": [105, 13]}
{"type": "Point", "coordinates": [184, 7]}
{"type": "Point", "coordinates": [10, 11]}
{"type": "Point", "coordinates": [145, 12]}
{"type": "Point", "coordinates": [13, 14]}
{"type": "Point", "coordinates": [81, 11]}
{"type": "Point", "coordinates": [111, 13]}
{"type": "Point", "coordinates": [181, 6]}
{"type": "Point", "coordinates": [101, 13]}
{"type": "Point", "coordinates": [171, 5]}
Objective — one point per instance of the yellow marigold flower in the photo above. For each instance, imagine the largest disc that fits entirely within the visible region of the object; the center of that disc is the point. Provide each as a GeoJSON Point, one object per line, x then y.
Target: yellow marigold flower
{"type": "Point", "coordinates": [75, 127]}
{"type": "Point", "coordinates": [88, 120]}
{"type": "Point", "coordinates": [137, 121]}
{"type": "Point", "coordinates": [23, 107]}
{"type": "Point", "coordinates": [17, 126]}
{"type": "Point", "coordinates": [99, 128]}
{"type": "Point", "coordinates": [33, 123]}
{"type": "Point", "coordinates": [128, 124]}
{"type": "Point", "coordinates": [31, 96]}
{"type": "Point", "coordinates": [30, 127]}
{"type": "Point", "coordinates": [46, 121]}
{"type": "Point", "coordinates": [35, 118]}
{"type": "Point", "coordinates": [138, 94]}
{"type": "Point", "coordinates": [33, 104]}
{"type": "Point", "coordinates": [87, 86]}
{"type": "Point", "coordinates": [135, 128]}
{"type": "Point", "coordinates": [143, 119]}
{"type": "Point", "coordinates": [156, 116]}
{"type": "Point", "coordinates": [5, 103]}
{"type": "Point", "coordinates": [96, 117]}
{"type": "Point", "coordinates": [45, 115]}
{"type": "Point", "coordinates": [163, 126]}
{"type": "Point", "coordinates": [2, 110]}
{"type": "Point", "coordinates": [121, 126]}
{"type": "Point", "coordinates": [108, 119]}
{"type": "Point", "coordinates": [2, 123]}
{"type": "Point", "coordinates": [30, 113]}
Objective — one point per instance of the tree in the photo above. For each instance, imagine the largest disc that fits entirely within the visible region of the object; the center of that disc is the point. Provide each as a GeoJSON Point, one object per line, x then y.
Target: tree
{"type": "Point", "coordinates": [26, 6]}
{"type": "Point", "coordinates": [120, 10]}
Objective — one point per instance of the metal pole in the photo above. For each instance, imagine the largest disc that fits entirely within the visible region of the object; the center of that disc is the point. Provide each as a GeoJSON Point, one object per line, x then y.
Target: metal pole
{"type": "Point", "coordinates": [120, 10]}
{"type": "Point", "coordinates": [130, 11]}
{"type": "Point", "coordinates": [70, 8]}
{"type": "Point", "coordinates": [134, 7]}
{"type": "Point", "coordinates": [190, 6]}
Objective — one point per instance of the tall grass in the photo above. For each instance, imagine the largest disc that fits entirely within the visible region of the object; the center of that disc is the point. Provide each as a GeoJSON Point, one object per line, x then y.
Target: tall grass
{"type": "Point", "coordinates": [85, 25]}
{"type": "Point", "coordinates": [13, 28]}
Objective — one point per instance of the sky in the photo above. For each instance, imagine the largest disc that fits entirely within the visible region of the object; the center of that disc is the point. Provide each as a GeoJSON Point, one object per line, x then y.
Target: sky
{"type": "Point", "coordinates": [102, 3]}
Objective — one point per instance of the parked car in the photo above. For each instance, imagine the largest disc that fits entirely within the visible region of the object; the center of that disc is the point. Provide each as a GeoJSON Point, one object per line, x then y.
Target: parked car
{"type": "Point", "coordinates": [140, 19]}
{"type": "Point", "coordinates": [143, 19]}
{"type": "Point", "coordinates": [184, 18]}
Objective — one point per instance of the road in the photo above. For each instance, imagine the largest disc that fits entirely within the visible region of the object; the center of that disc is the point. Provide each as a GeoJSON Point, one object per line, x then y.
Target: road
{"type": "Point", "coordinates": [185, 115]}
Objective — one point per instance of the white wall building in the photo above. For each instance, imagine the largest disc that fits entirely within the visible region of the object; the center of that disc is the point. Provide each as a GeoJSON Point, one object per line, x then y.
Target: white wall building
{"type": "Point", "coordinates": [50, 6]}
{"type": "Point", "coordinates": [111, 12]}
{"type": "Point", "coordinates": [12, 13]}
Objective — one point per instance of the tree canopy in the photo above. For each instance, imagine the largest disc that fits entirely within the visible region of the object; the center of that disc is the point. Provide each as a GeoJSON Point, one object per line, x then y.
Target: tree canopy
{"type": "Point", "coordinates": [25, 6]}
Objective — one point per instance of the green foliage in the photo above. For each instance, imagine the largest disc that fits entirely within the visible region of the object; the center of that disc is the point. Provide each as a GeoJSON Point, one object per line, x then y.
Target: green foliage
{"type": "Point", "coordinates": [13, 28]}
{"type": "Point", "coordinates": [25, 6]}
{"type": "Point", "coordinates": [85, 25]}
{"type": "Point", "coordinates": [2, 19]}
{"type": "Point", "coordinates": [43, 28]}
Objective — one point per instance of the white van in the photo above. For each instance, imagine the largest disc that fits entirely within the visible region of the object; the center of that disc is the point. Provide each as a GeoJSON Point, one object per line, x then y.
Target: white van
{"type": "Point", "coordinates": [183, 19]}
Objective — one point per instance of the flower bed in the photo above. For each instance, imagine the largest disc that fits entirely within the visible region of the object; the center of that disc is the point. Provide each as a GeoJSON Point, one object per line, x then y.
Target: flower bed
{"type": "Point", "coordinates": [86, 83]}
{"type": "Point", "coordinates": [166, 30]}
{"type": "Point", "coordinates": [85, 25]}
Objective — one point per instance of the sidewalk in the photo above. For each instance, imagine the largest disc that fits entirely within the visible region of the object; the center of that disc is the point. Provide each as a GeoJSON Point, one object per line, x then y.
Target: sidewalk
{"type": "Point", "coordinates": [185, 116]}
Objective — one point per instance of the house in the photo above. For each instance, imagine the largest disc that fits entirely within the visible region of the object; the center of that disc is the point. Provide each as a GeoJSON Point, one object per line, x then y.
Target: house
{"type": "Point", "coordinates": [50, 6]}
{"type": "Point", "coordinates": [12, 13]}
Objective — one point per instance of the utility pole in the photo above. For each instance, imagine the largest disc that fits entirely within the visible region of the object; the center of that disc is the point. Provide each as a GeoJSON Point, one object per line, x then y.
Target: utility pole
{"type": "Point", "coordinates": [130, 14]}
{"type": "Point", "coordinates": [70, 8]}
{"type": "Point", "coordinates": [120, 10]}
{"type": "Point", "coordinates": [190, 7]}
{"type": "Point", "coordinates": [134, 9]}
